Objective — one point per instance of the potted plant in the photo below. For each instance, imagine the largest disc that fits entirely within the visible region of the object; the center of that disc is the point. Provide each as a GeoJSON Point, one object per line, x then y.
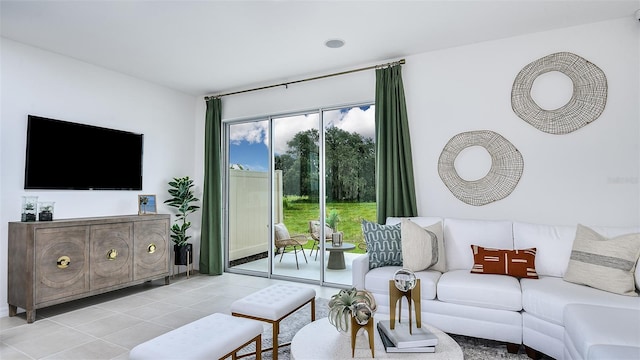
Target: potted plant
{"type": "Point", "coordinates": [348, 303]}
{"type": "Point", "coordinates": [183, 199]}
{"type": "Point", "coordinates": [332, 220]}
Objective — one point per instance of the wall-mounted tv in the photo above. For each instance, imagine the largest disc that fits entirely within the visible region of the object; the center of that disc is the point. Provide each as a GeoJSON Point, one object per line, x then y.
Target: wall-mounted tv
{"type": "Point", "coordinates": [64, 155]}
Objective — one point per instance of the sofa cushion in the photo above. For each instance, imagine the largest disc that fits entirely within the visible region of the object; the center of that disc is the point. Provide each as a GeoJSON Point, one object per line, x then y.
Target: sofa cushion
{"type": "Point", "coordinates": [433, 224]}
{"type": "Point", "coordinates": [481, 290]}
{"type": "Point", "coordinates": [383, 244]}
{"type": "Point", "coordinates": [518, 263]}
{"type": "Point", "coordinates": [603, 263]}
{"type": "Point", "coordinates": [377, 281]}
{"type": "Point", "coordinates": [546, 297]}
{"type": "Point", "coordinates": [460, 234]}
{"type": "Point", "coordinates": [553, 244]}
{"type": "Point", "coordinates": [600, 332]}
{"type": "Point", "coordinates": [419, 246]}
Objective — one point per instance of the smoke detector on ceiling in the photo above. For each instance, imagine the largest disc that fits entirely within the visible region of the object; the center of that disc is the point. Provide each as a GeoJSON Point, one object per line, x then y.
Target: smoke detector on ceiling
{"type": "Point", "coordinates": [334, 43]}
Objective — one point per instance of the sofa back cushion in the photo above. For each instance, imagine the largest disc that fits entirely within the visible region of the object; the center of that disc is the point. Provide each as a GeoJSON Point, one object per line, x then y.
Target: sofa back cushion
{"type": "Point", "coordinates": [460, 234]}
{"type": "Point", "coordinates": [554, 244]}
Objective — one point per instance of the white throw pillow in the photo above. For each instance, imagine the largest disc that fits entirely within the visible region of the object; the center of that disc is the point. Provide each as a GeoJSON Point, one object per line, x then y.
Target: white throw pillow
{"type": "Point", "coordinates": [419, 246]}
{"type": "Point", "coordinates": [603, 263]}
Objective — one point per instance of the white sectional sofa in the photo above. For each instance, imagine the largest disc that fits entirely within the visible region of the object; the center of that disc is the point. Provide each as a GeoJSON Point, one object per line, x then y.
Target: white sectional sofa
{"type": "Point", "coordinates": [533, 312]}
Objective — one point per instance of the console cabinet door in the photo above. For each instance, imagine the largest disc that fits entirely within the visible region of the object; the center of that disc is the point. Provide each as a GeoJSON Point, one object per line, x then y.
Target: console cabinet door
{"type": "Point", "coordinates": [61, 262]}
{"type": "Point", "coordinates": [151, 248]}
{"type": "Point", "coordinates": [111, 255]}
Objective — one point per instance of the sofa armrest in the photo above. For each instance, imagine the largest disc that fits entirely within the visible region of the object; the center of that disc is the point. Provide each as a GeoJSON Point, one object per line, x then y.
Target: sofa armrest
{"type": "Point", "coordinates": [359, 268]}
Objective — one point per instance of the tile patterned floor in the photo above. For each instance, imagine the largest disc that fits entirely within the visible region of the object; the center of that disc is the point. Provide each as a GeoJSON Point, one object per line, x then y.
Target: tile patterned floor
{"type": "Point", "coordinates": [109, 325]}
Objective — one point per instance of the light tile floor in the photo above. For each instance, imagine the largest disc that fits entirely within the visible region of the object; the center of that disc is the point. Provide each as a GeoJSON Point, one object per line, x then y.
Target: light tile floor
{"type": "Point", "coordinates": [107, 326]}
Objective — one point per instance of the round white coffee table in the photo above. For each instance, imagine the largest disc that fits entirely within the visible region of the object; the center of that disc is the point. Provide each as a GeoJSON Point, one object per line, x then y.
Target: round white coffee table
{"type": "Point", "coordinates": [321, 340]}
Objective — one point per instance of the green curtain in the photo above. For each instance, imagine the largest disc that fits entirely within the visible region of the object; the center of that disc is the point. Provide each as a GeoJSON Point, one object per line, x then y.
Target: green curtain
{"type": "Point", "coordinates": [395, 188]}
{"type": "Point", "coordinates": [211, 251]}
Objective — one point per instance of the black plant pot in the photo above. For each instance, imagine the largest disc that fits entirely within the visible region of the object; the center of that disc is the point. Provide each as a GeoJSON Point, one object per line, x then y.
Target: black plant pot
{"type": "Point", "coordinates": [181, 252]}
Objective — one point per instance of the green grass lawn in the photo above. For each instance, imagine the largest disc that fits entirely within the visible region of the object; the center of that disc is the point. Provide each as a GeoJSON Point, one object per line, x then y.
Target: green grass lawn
{"type": "Point", "coordinates": [297, 215]}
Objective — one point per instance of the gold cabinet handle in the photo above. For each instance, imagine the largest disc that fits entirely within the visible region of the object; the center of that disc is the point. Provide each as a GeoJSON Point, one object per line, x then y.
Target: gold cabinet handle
{"type": "Point", "coordinates": [63, 262]}
{"type": "Point", "coordinates": [112, 254]}
{"type": "Point", "coordinates": [151, 248]}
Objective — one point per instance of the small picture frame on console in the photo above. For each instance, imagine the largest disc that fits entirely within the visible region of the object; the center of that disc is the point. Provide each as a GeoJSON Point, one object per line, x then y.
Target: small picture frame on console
{"type": "Point", "coordinates": [146, 204]}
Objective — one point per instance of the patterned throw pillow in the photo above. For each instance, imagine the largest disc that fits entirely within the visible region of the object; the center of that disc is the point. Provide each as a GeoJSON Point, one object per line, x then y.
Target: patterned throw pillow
{"type": "Point", "coordinates": [517, 263]}
{"type": "Point", "coordinates": [602, 263]}
{"type": "Point", "coordinates": [419, 246]}
{"type": "Point", "coordinates": [383, 244]}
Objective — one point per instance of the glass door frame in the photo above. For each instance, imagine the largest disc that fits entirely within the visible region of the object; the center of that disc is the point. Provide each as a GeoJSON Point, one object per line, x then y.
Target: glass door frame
{"type": "Point", "coordinates": [322, 191]}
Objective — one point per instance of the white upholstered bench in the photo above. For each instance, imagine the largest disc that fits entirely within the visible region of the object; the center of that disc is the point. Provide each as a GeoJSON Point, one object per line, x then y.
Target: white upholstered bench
{"type": "Point", "coordinates": [216, 336]}
{"type": "Point", "coordinates": [273, 304]}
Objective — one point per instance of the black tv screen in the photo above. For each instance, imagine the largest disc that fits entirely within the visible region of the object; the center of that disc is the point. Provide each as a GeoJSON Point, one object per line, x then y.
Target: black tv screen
{"type": "Point", "coordinates": [66, 155]}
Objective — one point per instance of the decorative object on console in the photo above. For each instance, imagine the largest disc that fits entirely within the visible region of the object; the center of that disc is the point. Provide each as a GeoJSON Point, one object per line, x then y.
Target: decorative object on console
{"type": "Point", "coordinates": [146, 204]}
{"type": "Point", "coordinates": [183, 199]}
{"type": "Point", "coordinates": [517, 263]}
{"type": "Point", "coordinates": [586, 104]}
{"type": "Point", "coordinates": [29, 204]}
{"type": "Point", "coordinates": [383, 244]}
{"type": "Point", "coordinates": [506, 168]}
{"type": "Point", "coordinates": [404, 284]}
{"type": "Point", "coordinates": [45, 211]}
{"type": "Point", "coordinates": [602, 263]}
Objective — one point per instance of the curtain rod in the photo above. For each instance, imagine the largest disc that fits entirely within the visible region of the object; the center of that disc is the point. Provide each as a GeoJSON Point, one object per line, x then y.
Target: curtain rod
{"type": "Point", "coordinates": [285, 84]}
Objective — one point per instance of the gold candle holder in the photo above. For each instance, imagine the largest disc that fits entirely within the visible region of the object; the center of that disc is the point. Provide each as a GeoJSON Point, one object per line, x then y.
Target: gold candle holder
{"type": "Point", "coordinates": [413, 296]}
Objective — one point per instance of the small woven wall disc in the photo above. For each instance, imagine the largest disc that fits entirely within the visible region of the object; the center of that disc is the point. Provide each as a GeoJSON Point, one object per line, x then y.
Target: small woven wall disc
{"type": "Point", "coordinates": [506, 168]}
{"type": "Point", "coordinates": [586, 104]}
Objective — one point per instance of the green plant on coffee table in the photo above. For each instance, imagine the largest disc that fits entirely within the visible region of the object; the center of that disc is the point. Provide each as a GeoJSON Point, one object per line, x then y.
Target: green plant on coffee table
{"type": "Point", "coordinates": [182, 198]}
{"type": "Point", "coordinates": [346, 304]}
{"type": "Point", "coordinates": [333, 219]}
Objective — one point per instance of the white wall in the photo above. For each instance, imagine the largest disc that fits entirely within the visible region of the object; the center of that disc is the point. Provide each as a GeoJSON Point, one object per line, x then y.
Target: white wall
{"type": "Point", "coordinates": [42, 83]}
{"type": "Point", "coordinates": [589, 176]}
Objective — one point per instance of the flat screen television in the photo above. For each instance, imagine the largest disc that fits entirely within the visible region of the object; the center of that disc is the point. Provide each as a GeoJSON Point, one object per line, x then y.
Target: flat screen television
{"type": "Point", "coordinates": [64, 155]}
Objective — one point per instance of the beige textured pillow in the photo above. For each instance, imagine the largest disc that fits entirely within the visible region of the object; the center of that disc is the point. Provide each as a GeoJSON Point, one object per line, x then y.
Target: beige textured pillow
{"type": "Point", "coordinates": [602, 263]}
{"type": "Point", "coordinates": [419, 246]}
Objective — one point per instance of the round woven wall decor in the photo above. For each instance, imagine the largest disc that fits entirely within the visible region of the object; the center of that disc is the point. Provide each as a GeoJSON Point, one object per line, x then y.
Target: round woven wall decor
{"type": "Point", "coordinates": [506, 168]}
{"type": "Point", "coordinates": [586, 104]}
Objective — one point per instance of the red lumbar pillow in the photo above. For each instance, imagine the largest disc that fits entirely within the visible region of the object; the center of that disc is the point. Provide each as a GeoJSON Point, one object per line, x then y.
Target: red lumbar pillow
{"type": "Point", "coordinates": [518, 263]}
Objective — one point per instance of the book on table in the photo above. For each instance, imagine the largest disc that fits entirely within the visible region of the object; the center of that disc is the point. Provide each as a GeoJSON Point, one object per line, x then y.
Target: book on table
{"type": "Point", "coordinates": [390, 347]}
{"type": "Point", "coordinates": [402, 338]}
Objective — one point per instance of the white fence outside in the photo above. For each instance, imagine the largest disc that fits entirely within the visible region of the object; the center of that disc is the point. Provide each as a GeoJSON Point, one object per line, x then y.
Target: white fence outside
{"type": "Point", "coordinates": [249, 225]}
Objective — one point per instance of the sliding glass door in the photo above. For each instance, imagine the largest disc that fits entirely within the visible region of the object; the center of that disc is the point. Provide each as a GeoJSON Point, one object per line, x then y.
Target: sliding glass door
{"type": "Point", "coordinates": [248, 196]}
{"type": "Point", "coordinates": [296, 155]}
{"type": "Point", "coordinates": [298, 187]}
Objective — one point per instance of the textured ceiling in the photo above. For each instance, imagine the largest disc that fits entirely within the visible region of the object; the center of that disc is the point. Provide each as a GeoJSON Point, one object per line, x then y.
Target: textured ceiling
{"type": "Point", "coordinates": [207, 47]}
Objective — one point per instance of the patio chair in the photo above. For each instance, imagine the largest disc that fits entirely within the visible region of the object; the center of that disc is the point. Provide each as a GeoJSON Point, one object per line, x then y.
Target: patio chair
{"type": "Point", "coordinates": [314, 230]}
{"type": "Point", "coordinates": [283, 240]}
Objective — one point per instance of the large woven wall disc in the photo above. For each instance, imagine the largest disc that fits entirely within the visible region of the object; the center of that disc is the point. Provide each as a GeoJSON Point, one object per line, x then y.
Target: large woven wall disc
{"type": "Point", "coordinates": [586, 104]}
{"type": "Point", "coordinates": [506, 168]}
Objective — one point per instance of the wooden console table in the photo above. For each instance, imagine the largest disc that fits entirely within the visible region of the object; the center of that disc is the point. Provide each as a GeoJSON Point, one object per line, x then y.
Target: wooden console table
{"type": "Point", "coordinates": [52, 262]}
